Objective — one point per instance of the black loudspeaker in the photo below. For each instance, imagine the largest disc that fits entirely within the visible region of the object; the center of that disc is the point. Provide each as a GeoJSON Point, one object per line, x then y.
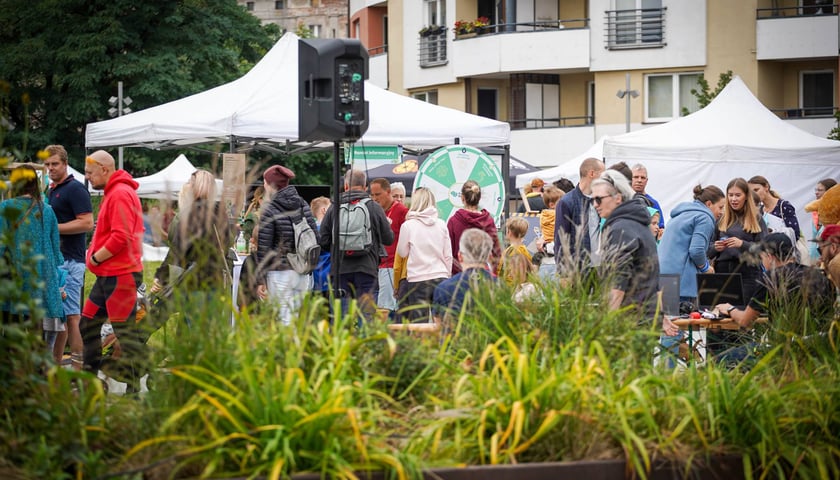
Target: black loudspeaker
{"type": "Point", "coordinates": [331, 89]}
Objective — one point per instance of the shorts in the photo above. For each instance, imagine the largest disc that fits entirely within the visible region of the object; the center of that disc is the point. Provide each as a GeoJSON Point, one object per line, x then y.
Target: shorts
{"type": "Point", "coordinates": [73, 288]}
{"type": "Point", "coordinates": [116, 295]}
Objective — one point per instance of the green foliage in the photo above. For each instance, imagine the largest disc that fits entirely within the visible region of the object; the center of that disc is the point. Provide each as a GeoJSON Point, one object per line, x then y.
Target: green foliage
{"type": "Point", "coordinates": [68, 56]}
{"type": "Point", "coordinates": [834, 134]}
{"type": "Point", "coordinates": [703, 94]}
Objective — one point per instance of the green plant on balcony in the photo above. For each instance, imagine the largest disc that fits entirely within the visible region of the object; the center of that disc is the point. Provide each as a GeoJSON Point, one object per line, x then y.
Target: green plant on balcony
{"type": "Point", "coordinates": [431, 30]}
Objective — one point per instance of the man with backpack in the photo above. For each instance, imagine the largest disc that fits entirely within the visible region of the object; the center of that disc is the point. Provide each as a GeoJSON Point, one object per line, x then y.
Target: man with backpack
{"type": "Point", "coordinates": [363, 232]}
{"type": "Point", "coordinates": [287, 235]}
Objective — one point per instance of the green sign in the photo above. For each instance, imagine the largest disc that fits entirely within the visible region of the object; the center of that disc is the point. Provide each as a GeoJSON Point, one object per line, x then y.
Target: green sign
{"type": "Point", "coordinates": [373, 154]}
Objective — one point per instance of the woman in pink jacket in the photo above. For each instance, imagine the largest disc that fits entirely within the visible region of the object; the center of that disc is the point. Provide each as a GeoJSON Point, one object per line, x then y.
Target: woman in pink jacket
{"type": "Point", "coordinates": [424, 241]}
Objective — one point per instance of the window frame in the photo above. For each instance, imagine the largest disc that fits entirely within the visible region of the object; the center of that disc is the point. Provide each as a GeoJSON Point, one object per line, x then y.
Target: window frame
{"type": "Point", "coordinates": [675, 100]}
{"type": "Point", "coordinates": [801, 93]}
{"type": "Point", "coordinates": [426, 96]}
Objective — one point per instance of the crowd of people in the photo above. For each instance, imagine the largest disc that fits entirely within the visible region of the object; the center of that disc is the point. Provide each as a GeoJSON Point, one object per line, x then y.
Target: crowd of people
{"type": "Point", "coordinates": [401, 261]}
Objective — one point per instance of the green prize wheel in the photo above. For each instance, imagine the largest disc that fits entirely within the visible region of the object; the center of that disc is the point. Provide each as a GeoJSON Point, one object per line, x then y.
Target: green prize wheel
{"type": "Point", "coordinates": [446, 170]}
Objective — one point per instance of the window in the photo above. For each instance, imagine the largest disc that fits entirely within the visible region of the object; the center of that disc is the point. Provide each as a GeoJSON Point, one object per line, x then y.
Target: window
{"type": "Point", "coordinates": [249, 6]}
{"type": "Point", "coordinates": [315, 31]}
{"type": "Point", "coordinates": [635, 23]}
{"type": "Point", "coordinates": [817, 93]}
{"type": "Point", "coordinates": [817, 7]}
{"type": "Point", "coordinates": [590, 103]}
{"type": "Point", "coordinates": [279, 5]}
{"type": "Point", "coordinates": [668, 94]}
{"type": "Point", "coordinates": [435, 12]}
{"type": "Point", "coordinates": [429, 97]}
{"type": "Point", "coordinates": [535, 100]}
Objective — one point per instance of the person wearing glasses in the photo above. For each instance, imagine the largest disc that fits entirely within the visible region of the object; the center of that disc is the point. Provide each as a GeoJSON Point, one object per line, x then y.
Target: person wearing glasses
{"type": "Point", "coordinates": [627, 247]}
{"type": "Point", "coordinates": [114, 256]}
{"type": "Point", "coordinates": [576, 225]}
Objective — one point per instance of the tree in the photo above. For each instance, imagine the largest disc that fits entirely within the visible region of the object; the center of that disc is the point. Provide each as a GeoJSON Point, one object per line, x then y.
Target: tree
{"type": "Point", "coordinates": [703, 94]}
{"type": "Point", "coordinates": [834, 134]}
{"type": "Point", "coordinates": [66, 57]}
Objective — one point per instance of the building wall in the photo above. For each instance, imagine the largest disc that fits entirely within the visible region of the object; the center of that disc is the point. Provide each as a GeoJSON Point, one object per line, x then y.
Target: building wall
{"type": "Point", "coordinates": [331, 15]}
{"type": "Point", "coordinates": [573, 94]}
{"type": "Point", "coordinates": [396, 47]}
{"type": "Point", "coordinates": [731, 38]}
{"type": "Point", "coordinates": [372, 31]}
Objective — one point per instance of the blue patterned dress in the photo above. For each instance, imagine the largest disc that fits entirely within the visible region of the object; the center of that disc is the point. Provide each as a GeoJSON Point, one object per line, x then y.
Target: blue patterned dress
{"type": "Point", "coordinates": [33, 238]}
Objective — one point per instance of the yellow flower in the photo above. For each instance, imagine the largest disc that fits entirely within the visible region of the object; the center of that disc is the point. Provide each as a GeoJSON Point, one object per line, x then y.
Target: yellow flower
{"type": "Point", "coordinates": [3, 185]}
{"type": "Point", "coordinates": [43, 154]}
{"type": "Point", "coordinates": [22, 175]}
{"type": "Point", "coordinates": [25, 98]}
{"type": "Point", "coordinates": [4, 161]}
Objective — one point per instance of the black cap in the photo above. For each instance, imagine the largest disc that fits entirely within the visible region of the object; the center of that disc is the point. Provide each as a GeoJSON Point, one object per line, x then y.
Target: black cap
{"type": "Point", "coordinates": [779, 245]}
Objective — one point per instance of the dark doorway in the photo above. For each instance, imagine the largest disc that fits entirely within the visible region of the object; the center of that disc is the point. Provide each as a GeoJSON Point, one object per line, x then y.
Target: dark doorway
{"type": "Point", "coordinates": [487, 103]}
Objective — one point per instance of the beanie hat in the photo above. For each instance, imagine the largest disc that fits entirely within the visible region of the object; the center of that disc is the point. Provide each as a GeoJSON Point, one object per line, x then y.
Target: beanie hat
{"type": "Point", "coordinates": [278, 176]}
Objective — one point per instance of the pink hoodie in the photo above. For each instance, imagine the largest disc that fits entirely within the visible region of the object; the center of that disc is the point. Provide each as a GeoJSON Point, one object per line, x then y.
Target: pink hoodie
{"type": "Point", "coordinates": [424, 241]}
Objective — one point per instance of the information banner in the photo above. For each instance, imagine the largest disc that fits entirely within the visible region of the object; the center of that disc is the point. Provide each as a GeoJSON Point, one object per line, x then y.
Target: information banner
{"type": "Point", "coordinates": [233, 181]}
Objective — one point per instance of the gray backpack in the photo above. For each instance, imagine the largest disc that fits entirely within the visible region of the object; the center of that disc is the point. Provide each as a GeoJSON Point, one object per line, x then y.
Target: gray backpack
{"type": "Point", "coordinates": [354, 228]}
{"type": "Point", "coordinates": [307, 251]}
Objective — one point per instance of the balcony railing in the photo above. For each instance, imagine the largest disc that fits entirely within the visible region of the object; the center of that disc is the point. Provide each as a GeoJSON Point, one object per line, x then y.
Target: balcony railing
{"type": "Point", "coordinates": [642, 28]}
{"type": "Point", "coordinates": [378, 50]}
{"type": "Point", "coordinates": [561, 122]}
{"type": "Point", "coordinates": [432, 50]}
{"type": "Point", "coordinates": [810, 112]}
{"type": "Point", "coordinates": [801, 11]}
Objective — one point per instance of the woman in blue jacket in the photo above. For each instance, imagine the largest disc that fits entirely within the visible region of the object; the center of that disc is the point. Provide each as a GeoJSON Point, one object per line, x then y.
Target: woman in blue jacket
{"type": "Point", "coordinates": [685, 243]}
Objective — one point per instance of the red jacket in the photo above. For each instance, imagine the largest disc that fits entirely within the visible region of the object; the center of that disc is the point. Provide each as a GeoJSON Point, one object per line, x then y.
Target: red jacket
{"type": "Point", "coordinates": [119, 228]}
{"type": "Point", "coordinates": [464, 219]}
{"type": "Point", "coordinates": [396, 217]}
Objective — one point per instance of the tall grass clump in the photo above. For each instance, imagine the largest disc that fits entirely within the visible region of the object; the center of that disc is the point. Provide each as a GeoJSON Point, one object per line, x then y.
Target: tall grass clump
{"type": "Point", "coordinates": [275, 400]}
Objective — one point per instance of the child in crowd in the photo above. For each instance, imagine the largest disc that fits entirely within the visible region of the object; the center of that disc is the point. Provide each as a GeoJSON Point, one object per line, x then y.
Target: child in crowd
{"type": "Point", "coordinates": [515, 232]}
{"type": "Point", "coordinates": [545, 244]}
{"type": "Point", "coordinates": [654, 224]}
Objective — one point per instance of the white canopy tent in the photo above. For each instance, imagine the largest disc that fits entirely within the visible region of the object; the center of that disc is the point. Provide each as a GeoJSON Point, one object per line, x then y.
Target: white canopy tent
{"type": "Point", "coordinates": [734, 136]}
{"type": "Point", "coordinates": [165, 184]}
{"type": "Point", "coordinates": [569, 169]}
{"type": "Point", "coordinates": [262, 108]}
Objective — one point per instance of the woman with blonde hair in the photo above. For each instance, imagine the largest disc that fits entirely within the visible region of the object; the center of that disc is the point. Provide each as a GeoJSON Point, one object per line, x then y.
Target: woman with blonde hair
{"type": "Point", "coordinates": [199, 236]}
{"type": "Point", "coordinates": [738, 229]}
{"type": "Point", "coordinates": [424, 242]}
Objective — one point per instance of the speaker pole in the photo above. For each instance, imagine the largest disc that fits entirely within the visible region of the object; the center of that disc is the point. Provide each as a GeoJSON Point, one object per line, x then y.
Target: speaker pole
{"type": "Point", "coordinates": [335, 253]}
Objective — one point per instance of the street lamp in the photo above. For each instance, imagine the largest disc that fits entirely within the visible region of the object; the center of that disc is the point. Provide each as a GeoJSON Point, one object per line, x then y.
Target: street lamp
{"type": "Point", "coordinates": [627, 94]}
{"type": "Point", "coordinates": [119, 105]}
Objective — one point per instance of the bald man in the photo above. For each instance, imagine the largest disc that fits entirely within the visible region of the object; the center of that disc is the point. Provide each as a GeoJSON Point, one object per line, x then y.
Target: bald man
{"type": "Point", "coordinates": [114, 257]}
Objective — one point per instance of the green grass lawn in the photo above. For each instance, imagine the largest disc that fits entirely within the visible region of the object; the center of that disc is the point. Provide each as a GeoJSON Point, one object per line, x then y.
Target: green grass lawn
{"type": "Point", "coordinates": [148, 274]}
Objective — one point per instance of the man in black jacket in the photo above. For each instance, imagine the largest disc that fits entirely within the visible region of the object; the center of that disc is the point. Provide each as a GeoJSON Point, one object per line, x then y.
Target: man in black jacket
{"type": "Point", "coordinates": [278, 282]}
{"type": "Point", "coordinates": [358, 275]}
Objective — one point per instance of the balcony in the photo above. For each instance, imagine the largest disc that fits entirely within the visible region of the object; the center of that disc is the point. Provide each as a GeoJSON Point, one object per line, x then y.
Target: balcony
{"type": "Point", "coordinates": [512, 48]}
{"type": "Point", "coordinates": [631, 29]}
{"type": "Point", "coordinates": [797, 32]}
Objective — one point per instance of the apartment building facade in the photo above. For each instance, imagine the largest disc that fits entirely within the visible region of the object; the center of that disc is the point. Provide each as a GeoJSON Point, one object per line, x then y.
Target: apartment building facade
{"type": "Point", "coordinates": [320, 18]}
{"type": "Point", "coordinates": [564, 73]}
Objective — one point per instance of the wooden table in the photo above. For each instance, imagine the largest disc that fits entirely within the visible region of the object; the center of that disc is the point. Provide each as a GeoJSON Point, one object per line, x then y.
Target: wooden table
{"type": "Point", "coordinates": [722, 324]}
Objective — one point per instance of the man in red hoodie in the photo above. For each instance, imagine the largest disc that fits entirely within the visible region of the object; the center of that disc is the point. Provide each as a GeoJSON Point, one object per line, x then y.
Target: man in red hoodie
{"type": "Point", "coordinates": [114, 257]}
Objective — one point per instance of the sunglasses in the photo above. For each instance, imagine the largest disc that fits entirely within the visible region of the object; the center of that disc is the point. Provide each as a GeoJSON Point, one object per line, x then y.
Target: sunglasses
{"type": "Point", "coordinates": [597, 200]}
